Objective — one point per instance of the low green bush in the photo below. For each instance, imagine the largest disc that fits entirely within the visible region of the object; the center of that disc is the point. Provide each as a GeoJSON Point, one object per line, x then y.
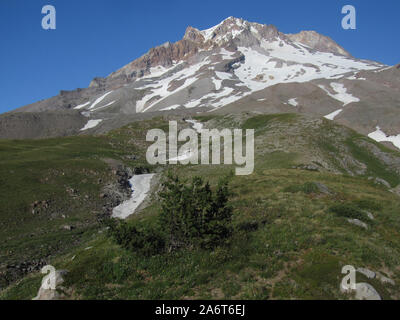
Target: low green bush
{"type": "Point", "coordinates": [349, 211]}
{"type": "Point", "coordinates": [307, 188]}
{"type": "Point", "coordinates": [192, 215]}
{"type": "Point", "coordinates": [368, 204]}
{"type": "Point", "coordinates": [147, 241]}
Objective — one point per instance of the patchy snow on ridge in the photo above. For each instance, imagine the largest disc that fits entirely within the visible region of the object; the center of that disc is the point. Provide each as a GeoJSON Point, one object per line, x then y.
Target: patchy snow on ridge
{"type": "Point", "coordinates": [224, 75]}
{"type": "Point", "coordinates": [175, 106]}
{"type": "Point", "coordinates": [333, 115]}
{"type": "Point", "coordinates": [208, 33]}
{"type": "Point", "coordinates": [107, 105]}
{"type": "Point", "coordinates": [270, 63]}
{"type": "Point", "coordinates": [192, 104]}
{"type": "Point", "coordinates": [217, 83]}
{"type": "Point", "coordinates": [221, 98]}
{"type": "Point", "coordinates": [284, 63]}
{"type": "Point", "coordinates": [91, 124]}
{"type": "Point", "coordinates": [355, 78]}
{"type": "Point", "coordinates": [227, 100]}
{"type": "Point", "coordinates": [160, 90]}
{"type": "Point", "coordinates": [383, 69]}
{"type": "Point", "coordinates": [140, 185]}
{"type": "Point", "coordinates": [158, 71]}
{"type": "Point", "coordinates": [261, 57]}
{"type": "Point", "coordinates": [293, 102]}
{"type": "Point", "coordinates": [98, 100]}
{"type": "Point", "coordinates": [380, 136]}
{"type": "Point", "coordinates": [341, 94]}
{"type": "Point", "coordinates": [226, 54]}
{"type": "Point", "coordinates": [82, 105]}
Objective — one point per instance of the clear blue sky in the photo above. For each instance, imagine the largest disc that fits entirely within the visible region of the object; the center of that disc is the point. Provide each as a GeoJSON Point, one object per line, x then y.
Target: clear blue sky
{"type": "Point", "coordinates": [95, 37]}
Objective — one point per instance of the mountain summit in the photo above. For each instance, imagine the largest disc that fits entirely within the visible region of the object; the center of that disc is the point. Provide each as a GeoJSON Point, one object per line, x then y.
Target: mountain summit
{"type": "Point", "coordinates": [231, 34]}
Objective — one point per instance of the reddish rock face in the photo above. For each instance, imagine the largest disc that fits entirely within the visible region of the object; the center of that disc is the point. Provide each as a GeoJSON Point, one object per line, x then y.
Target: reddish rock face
{"type": "Point", "coordinates": [193, 34]}
{"type": "Point", "coordinates": [163, 55]}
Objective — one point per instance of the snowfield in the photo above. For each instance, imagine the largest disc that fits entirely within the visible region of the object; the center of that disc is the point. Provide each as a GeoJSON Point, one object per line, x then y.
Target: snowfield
{"type": "Point", "coordinates": [341, 94]}
{"type": "Point", "coordinates": [333, 115]}
{"type": "Point", "coordinates": [280, 63]}
{"type": "Point", "coordinates": [293, 102]}
{"type": "Point", "coordinates": [98, 100]}
{"type": "Point", "coordinates": [95, 103]}
{"type": "Point", "coordinates": [82, 105]}
{"type": "Point", "coordinates": [91, 124]}
{"type": "Point", "coordinates": [161, 89]}
{"type": "Point", "coordinates": [175, 106]}
{"type": "Point", "coordinates": [270, 63]}
{"type": "Point", "coordinates": [140, 185]}
{"type": "Point", "coordinates": [380, 136]}
{"type": "Point", "coordinates": [107, 105]}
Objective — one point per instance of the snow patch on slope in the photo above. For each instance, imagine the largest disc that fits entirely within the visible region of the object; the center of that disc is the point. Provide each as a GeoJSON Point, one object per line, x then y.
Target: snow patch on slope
{"type": "Point", "coordinates": [355, 78]}
{"type": "Point", "coordinates": [221, 98]}
{"type": "Point", "coordinates": [341, 94]}
{"type": "Point", "coordinates": [273, 62]}
{"type": "Point", "coordinates": [333, 115]}
{"type": "Point", "coordinates": [105, 106]}
{"type": "Point", "coordinates": [224, 75]}
{"type": "Point", "coordinates": [160, 90]}
{"type": "Point", "coordinates": [380, 136]}
{"type": "Point", "coordinates": [91, 124]}
{"type": "Point", "coordinates": [217, 83]}
{"type": "Point", "coordinates": [98, 100]}
{"type": "Point", "coordinates": [82, 105]}
{"type": "Point", "coordinates": [175, 106]}
{"type": "Point", "coordinates": [140, 185]}
{"type": "Point", "coordinates": [293, 102]}
{"type": "Point", "coordinates": [284, 63]}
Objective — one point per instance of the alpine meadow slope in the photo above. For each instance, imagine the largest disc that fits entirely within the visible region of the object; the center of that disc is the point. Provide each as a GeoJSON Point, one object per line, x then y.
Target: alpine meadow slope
{"type": "Point", "coordinates": [290, 239]}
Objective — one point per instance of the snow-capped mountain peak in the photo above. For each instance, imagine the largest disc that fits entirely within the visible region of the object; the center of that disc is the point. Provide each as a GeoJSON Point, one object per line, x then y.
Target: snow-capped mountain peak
{"type": "Point", "coordinates": [230, 29]}
{"type": "Point", "coordinates": [231, 62]}
{"type": "Point", "coordinates": [222, 64]}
